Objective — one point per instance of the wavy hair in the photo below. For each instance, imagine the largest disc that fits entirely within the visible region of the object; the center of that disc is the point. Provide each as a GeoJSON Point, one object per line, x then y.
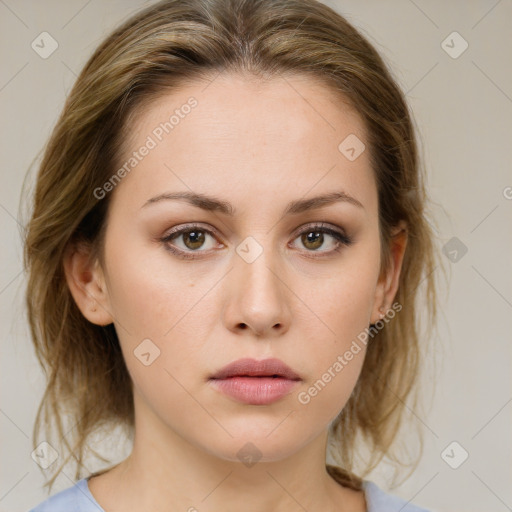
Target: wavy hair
{"type": "Point", "coordinates": [155, 51]}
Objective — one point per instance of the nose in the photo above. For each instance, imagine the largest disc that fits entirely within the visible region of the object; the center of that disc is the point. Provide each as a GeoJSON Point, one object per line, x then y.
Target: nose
{"type": "Point", "coordinates": [258, 298]}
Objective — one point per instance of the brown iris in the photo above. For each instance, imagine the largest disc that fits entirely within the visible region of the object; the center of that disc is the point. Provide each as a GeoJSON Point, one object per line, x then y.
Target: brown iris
{"type": "Point", "coordinates": [193, 239]}
{"type": "Point", "coordinates": [315, 238]}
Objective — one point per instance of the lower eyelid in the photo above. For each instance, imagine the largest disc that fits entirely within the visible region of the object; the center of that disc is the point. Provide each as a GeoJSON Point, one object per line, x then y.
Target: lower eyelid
{"type": "Point", "coordinates": [173, 236]}
{"type": "Point", "coordinates": [341, 239]}
{"type": "Point", "coordinates": [339, 244]}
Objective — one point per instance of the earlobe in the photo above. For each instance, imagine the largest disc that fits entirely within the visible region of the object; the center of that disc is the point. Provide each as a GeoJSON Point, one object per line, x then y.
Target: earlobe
{"type": "Point", "coordinates": [86, 283]}
{"type": "Point", "coordinates": [388, 284]}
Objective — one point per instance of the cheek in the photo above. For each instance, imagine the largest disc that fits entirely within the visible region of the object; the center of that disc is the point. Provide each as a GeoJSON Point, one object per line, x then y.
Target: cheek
{"type": "Point", "coordinates": [162, 396]}
{"type": "Point", "coordinates": [341, 300]}
{"type": "Point", "coordinates": [153, 299]}
{"type": "Point", "coordinates": [334, 363]}
{"type": "Point", "coordinates": [147, 293]}
{"type": "Point", "coordinates": [323, 398]}
{"type": "Point", "coordinates": [334, 347]}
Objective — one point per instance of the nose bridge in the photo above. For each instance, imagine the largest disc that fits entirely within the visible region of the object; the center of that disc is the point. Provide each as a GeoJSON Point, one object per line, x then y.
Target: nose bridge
{"type": "Point", "coordinates": [259, 299]}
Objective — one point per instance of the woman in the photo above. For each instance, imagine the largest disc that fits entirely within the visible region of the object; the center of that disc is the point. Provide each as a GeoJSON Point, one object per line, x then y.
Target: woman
{"type": "Point", "coordinates": [226, 245]}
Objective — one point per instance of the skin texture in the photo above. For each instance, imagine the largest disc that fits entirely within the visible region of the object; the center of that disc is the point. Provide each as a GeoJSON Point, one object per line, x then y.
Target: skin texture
{"type": "Point", "coordinates": [257, 145]}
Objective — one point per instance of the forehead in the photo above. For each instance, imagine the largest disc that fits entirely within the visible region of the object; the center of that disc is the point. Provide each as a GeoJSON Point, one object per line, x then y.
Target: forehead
{"type": "Point", "coordinates": [231, 133]}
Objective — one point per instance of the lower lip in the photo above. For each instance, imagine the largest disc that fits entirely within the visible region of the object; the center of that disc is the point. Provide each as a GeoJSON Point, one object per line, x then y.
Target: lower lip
{"type": "Point", "coordinates": [255, 390]}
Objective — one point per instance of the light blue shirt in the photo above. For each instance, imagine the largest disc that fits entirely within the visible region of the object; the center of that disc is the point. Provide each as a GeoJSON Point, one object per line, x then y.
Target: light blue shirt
{"type": "Point", "coordinates": [78, 498]}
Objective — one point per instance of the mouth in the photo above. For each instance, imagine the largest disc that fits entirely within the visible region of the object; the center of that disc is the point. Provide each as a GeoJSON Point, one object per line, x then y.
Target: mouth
{"type": "Point", "coordinates": [255, 382]}
{"type": "Point", "coordinates": [253, 368]}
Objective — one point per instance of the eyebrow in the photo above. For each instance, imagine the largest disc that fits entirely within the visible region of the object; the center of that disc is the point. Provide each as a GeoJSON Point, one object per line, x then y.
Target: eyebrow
{"type": "Point", "coordinates": [213, 204]}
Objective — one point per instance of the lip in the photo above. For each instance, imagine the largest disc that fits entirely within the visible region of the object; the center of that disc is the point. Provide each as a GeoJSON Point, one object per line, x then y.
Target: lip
{"type": "Point", "coordinates": [253, 368]}
{"type": "Point", "coordinates": [256, 382]}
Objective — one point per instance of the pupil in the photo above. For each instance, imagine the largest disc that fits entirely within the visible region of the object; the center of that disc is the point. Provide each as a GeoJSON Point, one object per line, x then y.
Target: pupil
{"type": "Point", "coordinates": [194, 239]}
{"type": "Point", "coordinates": [315, 238]}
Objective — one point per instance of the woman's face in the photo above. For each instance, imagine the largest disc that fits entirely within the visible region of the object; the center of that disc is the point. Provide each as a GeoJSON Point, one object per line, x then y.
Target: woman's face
{"type": "Point", "coordinates": [250, 274]}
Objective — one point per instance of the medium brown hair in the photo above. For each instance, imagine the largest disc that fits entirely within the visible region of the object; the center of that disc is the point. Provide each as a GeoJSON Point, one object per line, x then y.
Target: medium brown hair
{"type": "Point", "coordinates": [154, 52]}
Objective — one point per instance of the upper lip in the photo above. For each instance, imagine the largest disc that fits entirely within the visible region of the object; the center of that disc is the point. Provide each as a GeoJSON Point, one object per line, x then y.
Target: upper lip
{"type": "Point", "coordinates": [253, 368]}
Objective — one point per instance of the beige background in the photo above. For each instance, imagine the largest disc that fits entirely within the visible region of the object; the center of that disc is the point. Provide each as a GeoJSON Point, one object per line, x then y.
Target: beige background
{"type": "Point", "coordinates": [463, 107]}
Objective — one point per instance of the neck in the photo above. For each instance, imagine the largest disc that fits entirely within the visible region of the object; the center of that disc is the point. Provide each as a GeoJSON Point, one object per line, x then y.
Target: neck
{"type": "Point", "coordinates": [164, 470]}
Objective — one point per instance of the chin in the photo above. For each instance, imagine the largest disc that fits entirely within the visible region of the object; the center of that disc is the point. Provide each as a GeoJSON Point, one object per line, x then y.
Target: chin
{"type": "Point", "coordinates": [251, 445]}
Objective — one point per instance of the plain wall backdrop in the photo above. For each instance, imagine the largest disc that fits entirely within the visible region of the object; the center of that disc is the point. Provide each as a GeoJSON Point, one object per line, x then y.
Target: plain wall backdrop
{"type": "Point", "coordinates": [462, 102]}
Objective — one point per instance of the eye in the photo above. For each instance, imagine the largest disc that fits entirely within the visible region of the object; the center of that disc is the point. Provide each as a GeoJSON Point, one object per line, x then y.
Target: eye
{"type": "Point", "coordinates": [190, 239]}
{"type": "Point", "coordinates": [313, 238]}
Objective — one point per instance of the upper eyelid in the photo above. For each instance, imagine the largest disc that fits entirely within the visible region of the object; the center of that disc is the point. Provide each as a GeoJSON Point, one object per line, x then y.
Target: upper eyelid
{"type": "Point", "coordinates": [319, 225]}
{"type": "Point", "coordinates": [191, 227]}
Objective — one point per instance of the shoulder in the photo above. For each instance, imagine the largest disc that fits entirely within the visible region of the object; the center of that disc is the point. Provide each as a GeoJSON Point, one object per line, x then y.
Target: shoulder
{"type": "Point", "coordinates": [379, 501]}
{"type": "Point", "coordinates": [76, 498]}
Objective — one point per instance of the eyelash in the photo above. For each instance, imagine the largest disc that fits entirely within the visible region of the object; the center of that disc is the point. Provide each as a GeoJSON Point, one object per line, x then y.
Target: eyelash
{"type": "Point", "coordinates": [342, 239]}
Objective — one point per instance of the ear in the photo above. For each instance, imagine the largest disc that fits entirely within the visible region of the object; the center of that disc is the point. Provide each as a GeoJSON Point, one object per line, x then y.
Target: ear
{"type": "Point", "coordinates": [86, 282]}
{"type": "Point", "coordinates": [388, 281]}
